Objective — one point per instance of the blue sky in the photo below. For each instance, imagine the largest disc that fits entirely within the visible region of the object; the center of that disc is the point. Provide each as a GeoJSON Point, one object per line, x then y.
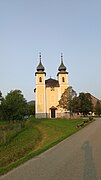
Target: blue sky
{"type": "Point", "coordinates": [28, 27]}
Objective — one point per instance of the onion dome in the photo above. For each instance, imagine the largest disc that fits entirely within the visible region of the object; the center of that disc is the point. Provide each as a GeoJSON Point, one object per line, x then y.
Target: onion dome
{"type": "Point", "coordinates": [62, 66]}
{"type": "Point", "coordinates": [40, 67]}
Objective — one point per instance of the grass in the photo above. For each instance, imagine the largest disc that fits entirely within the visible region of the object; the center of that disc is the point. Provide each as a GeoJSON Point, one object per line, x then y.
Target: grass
{"type": "Point", "coordinates": [37, 136]}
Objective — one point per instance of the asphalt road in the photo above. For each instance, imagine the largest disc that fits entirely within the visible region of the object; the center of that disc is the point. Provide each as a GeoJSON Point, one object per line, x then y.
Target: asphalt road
{"type": "Point", "coordinates": [76, 158]}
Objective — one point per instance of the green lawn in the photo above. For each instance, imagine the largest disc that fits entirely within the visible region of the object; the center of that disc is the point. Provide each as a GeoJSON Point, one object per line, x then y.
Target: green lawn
{"type": "Point", "coordinates": [37, 136]}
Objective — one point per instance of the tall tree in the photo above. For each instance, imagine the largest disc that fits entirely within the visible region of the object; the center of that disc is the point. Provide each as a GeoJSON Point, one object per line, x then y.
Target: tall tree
{"type": "Point", "coordinates": [0, 102]}
{"type": "Point", "coordinates": [85, 103]}
{"type": "Point", "coordinates": [31, 108]}
{"type": "Point", "coordinates": [70, 101]}
{"type": "Point", "coordinates": [66, 99]}
{"type": "Point", "coordinates": [0, 97]}
{"type": "Point", "coordinates": [13, 106]}
{"type": "Point", "coordinates": [75, 104]}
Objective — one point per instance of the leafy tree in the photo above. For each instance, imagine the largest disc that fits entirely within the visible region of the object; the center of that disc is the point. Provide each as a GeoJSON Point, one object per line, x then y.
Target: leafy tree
{"type": "Point", "coordinates": [0, 97]}
{"type": "Point", "coordinates": [0, 94]}
{"type": "Point", "coordinates": [31, 109]}
{"type": "Point", "coordinates": [85, 103]}
{"type": "Point", "coordinates": [75, 105]}
{"type": "Point", "coordinates": [98, 108]}
{"type": "Point", "coordinates": [0, 102]}
{"type": "Point", "coordinates": [70, 101]}
{"type": "Point", "coordinates": [67, 98]}
{"type": "Point", "coordinates": [13, 106]}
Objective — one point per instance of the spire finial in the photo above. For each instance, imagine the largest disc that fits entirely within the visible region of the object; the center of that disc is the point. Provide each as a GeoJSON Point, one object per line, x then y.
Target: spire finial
{"type": "Point", "coordinates": [40, 56]}
{"type": "Point", "coordinates": [61, 57]}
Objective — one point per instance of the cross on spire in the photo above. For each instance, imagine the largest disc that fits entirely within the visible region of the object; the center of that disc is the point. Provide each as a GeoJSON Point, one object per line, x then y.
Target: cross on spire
{"type": "Point", "coordinates": [40, 56]}
{"type": "Point", "coordinates": [61, 57]}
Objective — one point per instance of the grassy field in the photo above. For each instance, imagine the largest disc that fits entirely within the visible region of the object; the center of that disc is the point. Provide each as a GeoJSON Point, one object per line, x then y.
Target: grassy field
{"type": "Point", "coordinates": [35, 137]}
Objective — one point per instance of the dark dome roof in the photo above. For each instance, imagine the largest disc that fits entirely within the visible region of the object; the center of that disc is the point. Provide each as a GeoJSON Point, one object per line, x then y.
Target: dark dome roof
{"type": "Point", "coordinates": [40, 67]}
{"type": "Point", "coordinates": [62, 67]}
{"type": "Point", "coordinates": [51, 83]}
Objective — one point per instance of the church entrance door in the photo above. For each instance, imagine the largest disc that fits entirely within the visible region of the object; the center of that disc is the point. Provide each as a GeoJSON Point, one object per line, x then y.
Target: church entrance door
{"type": "Point", "coordinates": [52, 113]}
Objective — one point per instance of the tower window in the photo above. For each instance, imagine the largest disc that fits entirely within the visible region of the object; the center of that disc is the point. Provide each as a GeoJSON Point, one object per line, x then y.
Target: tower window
{"type": "Point", "coordinates": [63, 79]}
{"type": "Point", "coordinates": [40, 79]}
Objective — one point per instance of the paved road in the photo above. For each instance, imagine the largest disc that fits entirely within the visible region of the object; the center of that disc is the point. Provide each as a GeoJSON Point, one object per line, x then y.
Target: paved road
{"type": "Point", "coordinates": [76, 158]}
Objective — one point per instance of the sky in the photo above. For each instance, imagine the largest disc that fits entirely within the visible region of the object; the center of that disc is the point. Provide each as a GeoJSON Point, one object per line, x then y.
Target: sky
{"type": "Point", "coordinates": [52, 27]}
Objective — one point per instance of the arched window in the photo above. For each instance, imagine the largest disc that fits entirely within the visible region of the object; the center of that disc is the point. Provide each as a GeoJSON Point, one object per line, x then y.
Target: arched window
{"type": "Point", "coordinates": [63, 79]}
{"type": "Point", "coordinates": [40, 79]}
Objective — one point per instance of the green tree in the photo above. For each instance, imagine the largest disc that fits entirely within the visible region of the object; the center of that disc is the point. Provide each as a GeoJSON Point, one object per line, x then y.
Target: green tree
{"type": "Point", "coordinates": [85, 103]}
{"type": "Point", "coordinates": [0, 97]}
{"type": "Point", "coordinates": [98, 108]}
{"type": "Point", "coordinates": [31, 109]}
{"type": "Point", "coordinates": [0, 102]}
{"type": "Point", "coordinates": [13, 106]}
{"type": "Point", "coordinates": [75, 104]}
{"type": "Point", "coordinates": [0, 94]}
{"type": "Point", "coordinates": [67, 98]}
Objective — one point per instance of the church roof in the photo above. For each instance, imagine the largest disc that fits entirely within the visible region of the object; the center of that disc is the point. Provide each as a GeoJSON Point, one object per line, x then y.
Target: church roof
{"type": "Point", "coordinates": [52, 83]}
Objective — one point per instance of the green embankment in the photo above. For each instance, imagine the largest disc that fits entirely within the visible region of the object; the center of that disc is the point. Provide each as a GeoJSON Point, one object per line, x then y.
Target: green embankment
{"type": "Point", "coordinates": [37, 136]}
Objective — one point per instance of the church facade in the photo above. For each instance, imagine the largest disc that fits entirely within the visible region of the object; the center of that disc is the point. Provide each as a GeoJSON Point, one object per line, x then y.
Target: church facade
{"type": "Point", "coordinates": [48, 91]}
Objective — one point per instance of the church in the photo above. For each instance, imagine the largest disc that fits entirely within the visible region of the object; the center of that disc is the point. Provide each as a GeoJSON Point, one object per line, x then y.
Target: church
{"type": "Point", "coordinates": [48, 91]}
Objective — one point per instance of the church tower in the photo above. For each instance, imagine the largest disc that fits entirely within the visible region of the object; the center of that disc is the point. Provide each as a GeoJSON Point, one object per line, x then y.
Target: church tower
{"type": "Point", "coordinates": [40, 90]}
{"type": "Point", "coordinates": [62, 77]}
